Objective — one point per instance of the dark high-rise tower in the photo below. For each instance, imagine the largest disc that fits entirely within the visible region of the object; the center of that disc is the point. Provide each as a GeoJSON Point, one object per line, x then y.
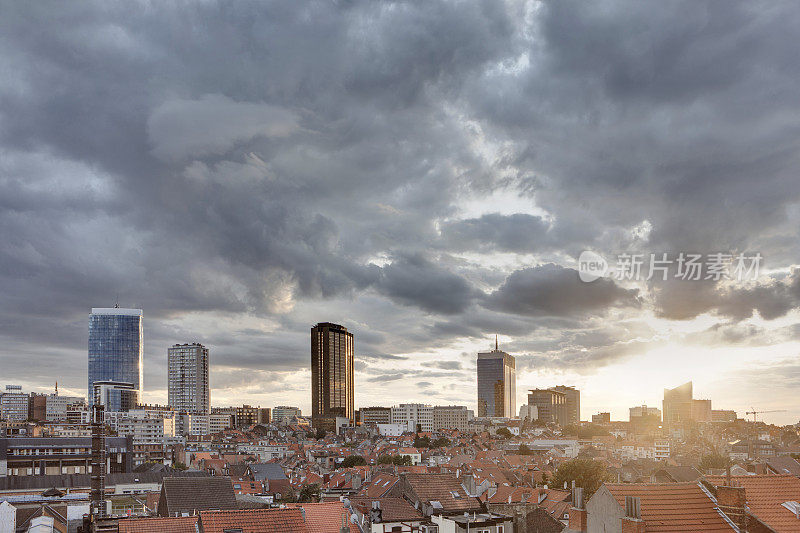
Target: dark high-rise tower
{"type": "Point", "coordinates": [331, 374]}
{"type": "Point", "coordinates": [497, 384]}
{"type": "Point", "coordinates": [187, 383]}
{"type": "Point", "coordinates": [116, 347]}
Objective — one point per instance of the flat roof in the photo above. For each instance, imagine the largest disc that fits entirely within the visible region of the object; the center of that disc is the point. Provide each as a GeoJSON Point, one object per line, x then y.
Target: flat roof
{"type": "Point", "coordinates": [116, 311]}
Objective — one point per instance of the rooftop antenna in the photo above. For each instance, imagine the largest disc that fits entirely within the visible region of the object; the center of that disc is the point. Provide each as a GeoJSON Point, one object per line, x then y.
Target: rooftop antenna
{"type": "Point", "coordinates": [116, 305]}
{"type": "Point", "coordinates": [496, 346]}
{"type": "Point", "coordinates": [56, 388]}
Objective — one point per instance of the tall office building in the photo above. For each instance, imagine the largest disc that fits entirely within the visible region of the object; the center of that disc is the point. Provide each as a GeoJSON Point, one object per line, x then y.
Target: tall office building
{"type": "Point", "coordinates": [332, 392]}
{"type": "Point", "coordinates": [497, 384]}
{"type": "Point", "coordinates": [573, 403]}
{"type": "Point", "coordinates": [678, 404]}
{"type": "Point", "coordinates": [116, 347]}
{"type": "Point", "coordinates": [187, 387]}
{"type": "Point", "coordinates": [551, 405]}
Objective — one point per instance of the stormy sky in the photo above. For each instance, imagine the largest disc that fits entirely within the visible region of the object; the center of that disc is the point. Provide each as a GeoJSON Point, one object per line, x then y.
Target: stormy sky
{"type": "Point", "coordinates": [425, 173]}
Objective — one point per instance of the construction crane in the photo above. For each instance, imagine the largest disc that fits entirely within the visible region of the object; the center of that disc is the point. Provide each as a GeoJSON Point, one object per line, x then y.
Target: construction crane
{"type": "Point", "coordinates": [756, 413]}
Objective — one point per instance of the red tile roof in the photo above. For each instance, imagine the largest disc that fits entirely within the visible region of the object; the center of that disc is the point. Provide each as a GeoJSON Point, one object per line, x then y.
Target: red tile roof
{"type": "Point", "coordinates": [443, 488]}
{"type": "Point", "coordinates": [255, 521]}
{"type": "Point", "coordinates": [185, 524]}
{"type": "Point", "coordinates": [326, 517]}
{"type": "Point", "coordinates": [672, 506]}
{"type": "Point", "coordinates": [393, 509]}
{"type": "Point", "coordinates": [766, 496]}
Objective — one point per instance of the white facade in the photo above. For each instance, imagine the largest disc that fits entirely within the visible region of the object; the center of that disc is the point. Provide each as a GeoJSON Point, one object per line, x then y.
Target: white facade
{"type": "Point", "coordinates": [393, 430]}
{"type": "Point", "coordinates": [284, 412]}
{"type": "Point", "coordinates": [661, 450]}
{"type": "Point", "coordinates": [265, 451]}
{"type": "Point", "coordinates": [146, 426]}
{"type": "Point", "coordinates": [56, 406]}
{"type": "Point", "coordinates": [188, 386]}
{"type": "Point", "coordinates": [14, 404]}
{"type": "Point", "coordinates": [8, 518]}
{"type": "Point", "coordinates": [416, 414]}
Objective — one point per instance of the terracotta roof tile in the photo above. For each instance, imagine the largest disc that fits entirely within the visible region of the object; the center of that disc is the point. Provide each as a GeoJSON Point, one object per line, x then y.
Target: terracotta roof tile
{"type": "Point", "coordinates": [445, 489]}
{"type": "Point", "coordinates": [255, 521]}
{"type": "Point", "coordinates": [672, 506]}
{"type": "Point", "coordinates": [766, 496]}
{"type": "Point", "coordinates": [185, 524]}
{"type": "Point", "coordinates": [326, 517]}
{"type": "Point", "coordinates": [393, 509]}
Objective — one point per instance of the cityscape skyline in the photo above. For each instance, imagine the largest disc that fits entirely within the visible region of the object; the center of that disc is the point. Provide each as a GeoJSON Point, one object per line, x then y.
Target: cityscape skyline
{"type": "Point", "coordinates": [584, 415]}
{"type": "Point", "coordinates": [427, 192]}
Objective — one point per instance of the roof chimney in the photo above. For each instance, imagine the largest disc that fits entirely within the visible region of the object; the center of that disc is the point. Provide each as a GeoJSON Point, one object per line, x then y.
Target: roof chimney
{"type": "Point", "coordinates": [632, 521]}
{"type": "Point", "coordinates": [578, 519]}
{"type": "Point", "coordinates": [733, 502]}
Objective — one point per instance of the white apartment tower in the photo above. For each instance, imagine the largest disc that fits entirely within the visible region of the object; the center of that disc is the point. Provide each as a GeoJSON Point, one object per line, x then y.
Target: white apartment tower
{"type": "Point", "coordinates": [188, 389]}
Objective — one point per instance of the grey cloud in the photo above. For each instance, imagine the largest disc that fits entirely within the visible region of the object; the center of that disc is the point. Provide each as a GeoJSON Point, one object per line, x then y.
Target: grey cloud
{"type": "Point", "coordinates": [553, 290]}
{"type": "Point", "coordinates": [212, 125]}
{"type": "Point", "coordinates": [413, 279]}
{"type": "Point", "coordinates": [258, 159]}
{"type": "Point", "coordinates": [771, 297]}
{"type": "Point", "coordinates": [519, 233]}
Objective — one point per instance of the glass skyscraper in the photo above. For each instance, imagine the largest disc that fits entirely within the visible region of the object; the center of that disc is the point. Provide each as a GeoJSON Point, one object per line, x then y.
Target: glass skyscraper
{"type": "Point", "coordinates": [116, 347]}
{"type": "Point", "coordinates": [497, 384]}
{"type": "Point", "coordinates": [331, 374]}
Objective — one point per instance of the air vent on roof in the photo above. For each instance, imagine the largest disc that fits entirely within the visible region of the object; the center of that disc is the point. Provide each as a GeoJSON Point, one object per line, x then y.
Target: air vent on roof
{"type": "Point", "coordinates": [793, 507]}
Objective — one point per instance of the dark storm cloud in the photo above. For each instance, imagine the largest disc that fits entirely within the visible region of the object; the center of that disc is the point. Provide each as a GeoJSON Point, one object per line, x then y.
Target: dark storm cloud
{"type": "Point", "coordinates": [771, 297]}
{"type": "Point", "coordinates": [553, 290]}
{"type": "Point", "coordinates": [417, 281]}
{"type": "Point", "coordinates": [241, 159]}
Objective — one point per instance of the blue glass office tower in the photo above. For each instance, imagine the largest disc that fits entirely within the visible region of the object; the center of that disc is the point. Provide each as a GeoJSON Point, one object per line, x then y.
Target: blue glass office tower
{"type": "Point", "coordinates": [116, 347]}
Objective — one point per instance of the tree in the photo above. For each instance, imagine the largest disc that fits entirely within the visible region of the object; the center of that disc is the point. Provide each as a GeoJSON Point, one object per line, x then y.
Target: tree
{"type": "Point", "coordinates": [545, 478]}
{"type": "Point", "coordinates": [586, 473]}
{"type": "Point", "coordinates": [504, 432]}
{"type": "Point", "coordinates": [399, 460]}
{"type": "Point", "coordinates": [180, 466]}
{"type": "Point", "coordinates": [353, 460]}
{"type": "Point", "coordinates": [422, 442]}
{"type": "Point", "coordinates": [321, 433]}
{"type": "Point", "coordinates": [714, 460]}
{"type": "Point", "coordinates": [524, 450]}
{"type": "Point", "coordinates": [309, 494]}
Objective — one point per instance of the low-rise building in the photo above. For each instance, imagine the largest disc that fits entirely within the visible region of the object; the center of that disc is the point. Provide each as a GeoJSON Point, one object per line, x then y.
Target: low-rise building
{"type": "Point", "coordinates": [38, 456]}
{"type": "Point", "coordinates": [451, 417]}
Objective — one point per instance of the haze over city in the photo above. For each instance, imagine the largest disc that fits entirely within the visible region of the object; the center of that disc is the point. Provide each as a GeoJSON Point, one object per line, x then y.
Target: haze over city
{"type": "Point", "coordinates": [426, 175]}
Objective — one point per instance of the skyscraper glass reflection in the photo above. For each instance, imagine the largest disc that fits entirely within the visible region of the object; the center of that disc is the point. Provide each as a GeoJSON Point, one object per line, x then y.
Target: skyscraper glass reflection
{"type": "Point", "coordinates": [497, 384]}
{"type": "Point", "coordinates": [116, 347]}
{"type": "Point", "coordinates": [332, 393]}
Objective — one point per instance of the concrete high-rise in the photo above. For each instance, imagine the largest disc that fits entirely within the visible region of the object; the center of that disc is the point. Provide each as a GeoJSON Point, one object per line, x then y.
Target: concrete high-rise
{"type": "Point", "coordinates": [116, 347]}
{"type": "Point", "coordinates": [332, 386]}
{"type": "Point", "coordinates": [573, 403]}
{"type": "Point", "coordinates": [551, 404]}
{"type": "Point", "coordinates": [188, 387]}
{"type": "Point", "coordinates": [497, 384]}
